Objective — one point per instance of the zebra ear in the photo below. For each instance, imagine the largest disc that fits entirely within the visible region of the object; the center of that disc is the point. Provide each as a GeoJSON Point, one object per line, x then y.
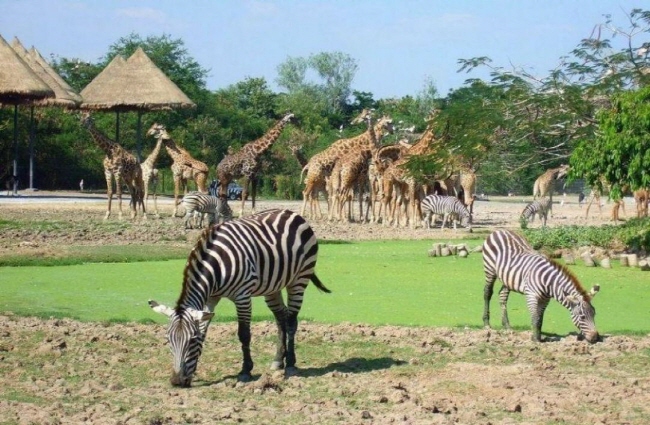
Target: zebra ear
{"type": "Point", "coordinates": [573, 299]}
{"type": "Point", "coordinates": [162, 309]}
{"type": "Point", "coordinates": [201, 316]}
{"type": "Point", "coordinates": [594, 290]}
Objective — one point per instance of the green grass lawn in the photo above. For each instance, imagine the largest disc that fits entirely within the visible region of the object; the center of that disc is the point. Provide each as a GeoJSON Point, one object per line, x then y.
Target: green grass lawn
{"type": "Point", "coordinates": [379, 282]}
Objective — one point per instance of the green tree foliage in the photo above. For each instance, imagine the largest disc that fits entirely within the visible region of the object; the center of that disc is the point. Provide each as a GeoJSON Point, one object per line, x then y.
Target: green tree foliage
{"type": "Point", "coordinates": [545, 118]}
{"type": "Point", "coordinates": [620, 155]}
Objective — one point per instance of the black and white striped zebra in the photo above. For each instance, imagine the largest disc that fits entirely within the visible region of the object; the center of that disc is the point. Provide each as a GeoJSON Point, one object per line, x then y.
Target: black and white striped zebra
{"type": "Point", "coordinates": [509, 257]}
{"type": "Point", "coordinates": [259, 255]}
{"type": "Point", "coordinates": [540, 207]}
{"type": "Point", "coordinates": [448, 207]}
{"type": "Point", "coordinates": [198, 204]}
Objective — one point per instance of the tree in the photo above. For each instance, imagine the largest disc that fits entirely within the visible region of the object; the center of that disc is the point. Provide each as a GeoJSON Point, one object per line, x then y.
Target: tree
{"type": "Point", "coordinates": [334, 71]}
{"type": "Point", "coordinates": [620, 155]}
{"type": "Point", "coordinates": [545, 118]}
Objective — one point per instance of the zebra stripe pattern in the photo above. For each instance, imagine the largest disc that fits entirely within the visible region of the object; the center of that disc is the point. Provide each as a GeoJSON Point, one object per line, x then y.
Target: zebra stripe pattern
{"type": "Point", "coordinates": [198, 204]}
{"type": "Point", "coordinates": [259, 255]}
{"type": "Point", "coordinates": [539, 207]}
{"type": "Point", "coordinates": [510, 258]}
{"type": "Point", "coordinates": [447, 206]}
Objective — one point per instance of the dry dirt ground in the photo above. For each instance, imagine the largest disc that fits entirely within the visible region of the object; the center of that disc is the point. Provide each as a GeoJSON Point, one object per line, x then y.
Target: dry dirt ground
{"type": "Point", "coordinates": [68, 372]}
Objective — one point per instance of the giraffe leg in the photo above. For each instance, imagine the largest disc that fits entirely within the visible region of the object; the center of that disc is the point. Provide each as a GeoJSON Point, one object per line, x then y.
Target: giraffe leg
{"type": "Point", "coordinates": [118, 191]}
{"type": "Point", "coordinates": [109, 192]}
{"type": "Point", "coordinates": [177, 188]}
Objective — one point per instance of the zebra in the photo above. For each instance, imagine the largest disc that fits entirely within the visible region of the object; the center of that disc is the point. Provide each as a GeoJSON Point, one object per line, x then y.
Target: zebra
{"type": "Point", "coordinates": [258, 255]}
{"type": "Point", "coordinates": [509, 257]}
{"type": "Point", "coordinates": [197, 203]}
{"type": "Point", "coordinates": [539, 207]}
{"type": "Point", "coordinates": [446, 206]}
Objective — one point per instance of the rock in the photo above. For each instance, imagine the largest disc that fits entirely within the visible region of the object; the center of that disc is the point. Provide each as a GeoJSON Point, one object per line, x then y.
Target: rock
{"type": "Point", "coordinates": [588, 259]}
{"type": "Point", "coordinates": [569, 258]}
{"type": "Point", "coordinates": [633, 260]}
{"type": "Point", "coordinates": [644, 265]}
{"type": "Point", "coordinates": [624, 260]}
{"type": "Point", "coordinates": [605, 263]}
{"type": "Point", "coordinates": [463, 253]}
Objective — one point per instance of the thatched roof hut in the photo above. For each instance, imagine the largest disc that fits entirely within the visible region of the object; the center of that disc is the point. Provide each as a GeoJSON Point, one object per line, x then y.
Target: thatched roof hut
{"type": "Point", "coordinates": [135, 84]}
{"type": "Point", "coordinates": [63, 94]}
{"type": "Point", "coordinates": [18, 82]}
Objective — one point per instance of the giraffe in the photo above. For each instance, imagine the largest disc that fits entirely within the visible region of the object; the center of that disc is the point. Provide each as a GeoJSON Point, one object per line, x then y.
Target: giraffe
{"type": "Point", "coordinates": [617, 205]}
{"type": "Point", "coordinates": [641, 197]}
{"type": "Point", "coordinates": [545, 183]}
{"type": "Point", "coordinates": [383, 157]}
{"type": "Point", "coordinates": [320, 165]}
{"type": "Point", "coordinates": [351, 171]}
{"type": "Point", "coordinates": [395, 176]}
{"type": "Point", "coordinates": [121, 166]}
{"type": "Point", "coordinates": [150, 174]}
{"type": "Point", "coordinates": [245, 162]}
{"type": "Point", "coordinates": [184, 166]}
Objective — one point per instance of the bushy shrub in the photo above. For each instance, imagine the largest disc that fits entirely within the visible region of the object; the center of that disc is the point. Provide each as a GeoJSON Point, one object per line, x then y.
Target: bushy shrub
{"type": "Point", "coordinates": [633, 235]}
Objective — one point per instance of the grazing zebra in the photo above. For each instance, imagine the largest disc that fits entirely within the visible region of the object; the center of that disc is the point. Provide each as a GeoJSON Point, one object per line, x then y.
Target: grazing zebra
{"type": "Point", "coordinates": [539, 207]}
{"type": "Point", "coordinates": [254, 256]}
{"type": "Point", "coordinates": [509, 257]}
{"type": "Point", "coordinates": [446, 206]}
{"type": "Point", "coordinates": [197, 203]}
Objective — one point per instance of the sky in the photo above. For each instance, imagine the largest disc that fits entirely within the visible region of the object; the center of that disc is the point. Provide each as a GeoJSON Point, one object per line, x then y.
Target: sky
{"type": "Point", "coordinates": [400, 46]}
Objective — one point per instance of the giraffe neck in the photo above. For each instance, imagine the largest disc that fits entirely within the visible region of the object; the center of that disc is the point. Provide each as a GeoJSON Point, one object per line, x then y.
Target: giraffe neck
{"type": "Point", "coordinates": [172, 150]}
{"type": "Point", "coordinates": [300, 157]}
{"type": "Point", "coordinates": [151, 159]}
{"type": "Point", "coordinates": [260, 145]}
{"type": "Point", "coordinates": [423, 144]}
{"type": "Point", "coordinates": [106, 144]}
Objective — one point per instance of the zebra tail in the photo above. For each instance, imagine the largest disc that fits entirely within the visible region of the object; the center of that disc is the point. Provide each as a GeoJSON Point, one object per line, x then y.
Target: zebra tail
{"type": "Point", "coordinates": [319, 284]}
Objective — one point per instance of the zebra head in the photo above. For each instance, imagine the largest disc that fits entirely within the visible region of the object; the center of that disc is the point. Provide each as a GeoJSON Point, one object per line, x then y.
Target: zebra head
{"type": "Point", "coordinates": [185, 334]}
{"type": "Point", "coordinates": [583, 314]}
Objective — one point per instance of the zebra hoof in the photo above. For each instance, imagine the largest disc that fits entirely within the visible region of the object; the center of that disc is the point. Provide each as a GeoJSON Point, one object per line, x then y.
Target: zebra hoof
{"type": "Point", "coordinates": [277, 366]}
{"type": "Point", "coordinates": [290, 371]}
{"type": "Point", "coordinates": [244, 377]}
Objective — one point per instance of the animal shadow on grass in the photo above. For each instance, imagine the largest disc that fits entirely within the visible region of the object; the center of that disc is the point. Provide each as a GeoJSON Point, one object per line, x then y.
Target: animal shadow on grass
{"type": "Point", "coordinates": [553, 337]}
{"type": "Point", "coordinates": [352, 365]}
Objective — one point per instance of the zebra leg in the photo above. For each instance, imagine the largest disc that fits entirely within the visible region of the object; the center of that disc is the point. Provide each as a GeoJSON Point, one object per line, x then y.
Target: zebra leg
{"type": "Point", "coordinates": [187, 218]}
{"type": "Point", "coordinates": [537, 307]}
{"type": "Point", "coordinates": [504, 292]}
{"type": "Point", "coordinates": [292, 328]}
{"type": "Point", "coordinates": [244, 334]}
{"type": "Point", "coordinates": [490, 278]}
{"type": "Point", "coordinates": [244, 307]}
{"type": "Point", "coordinates": [276, 305]}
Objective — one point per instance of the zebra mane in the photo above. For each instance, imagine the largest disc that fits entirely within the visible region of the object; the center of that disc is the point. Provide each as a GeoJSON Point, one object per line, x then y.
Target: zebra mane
{"type": "Point", "coordinates": [572, 278]}
{"type": "Point", "coordinates": [195, 253]}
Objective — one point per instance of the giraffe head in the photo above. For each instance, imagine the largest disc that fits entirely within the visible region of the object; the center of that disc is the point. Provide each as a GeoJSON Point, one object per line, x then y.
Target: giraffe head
{"type": "Point", "coordinates": [287, 118]}
{"type": "Point", "coordinates": [384, 126]}
{"type": "Point", "coordinates": [158, 131]}
{"type": "Point", "coordinates": [363, 116]}
{"type": "Point", "coordinates": [86, 119]}
{"type": "Point", "coordinates": [562, 171]}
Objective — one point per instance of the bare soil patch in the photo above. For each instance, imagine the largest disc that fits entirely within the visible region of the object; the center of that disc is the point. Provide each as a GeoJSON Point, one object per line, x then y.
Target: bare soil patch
{"type": "Point", "coordinates": [68, 372]}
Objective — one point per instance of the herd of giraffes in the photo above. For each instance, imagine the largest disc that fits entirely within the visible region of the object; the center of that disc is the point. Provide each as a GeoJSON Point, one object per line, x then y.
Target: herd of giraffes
{"type": "Point", "coordinates": [376, 174]}
{"type": "Point", "coordinates": [123, 168]}
{"type": "Point", "coordinates": [359, 166]}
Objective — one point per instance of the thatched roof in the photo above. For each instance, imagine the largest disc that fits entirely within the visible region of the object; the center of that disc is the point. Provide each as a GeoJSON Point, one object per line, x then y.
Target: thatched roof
{"type": "Point", "coordinates": [18, 83]}
{"type": "Point", "coordinates": [63, 93]}
{"type": "Point", "coordinates": [137, 84]}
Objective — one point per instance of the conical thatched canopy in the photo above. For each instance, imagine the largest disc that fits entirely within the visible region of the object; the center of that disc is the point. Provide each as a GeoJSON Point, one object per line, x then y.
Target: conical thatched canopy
{"type": "Point", "coordinates": [63, 94]}
{"type": "Point", "coordinates": [18, 83]}
{"type": "Point", "coordinates": [138, 84]}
